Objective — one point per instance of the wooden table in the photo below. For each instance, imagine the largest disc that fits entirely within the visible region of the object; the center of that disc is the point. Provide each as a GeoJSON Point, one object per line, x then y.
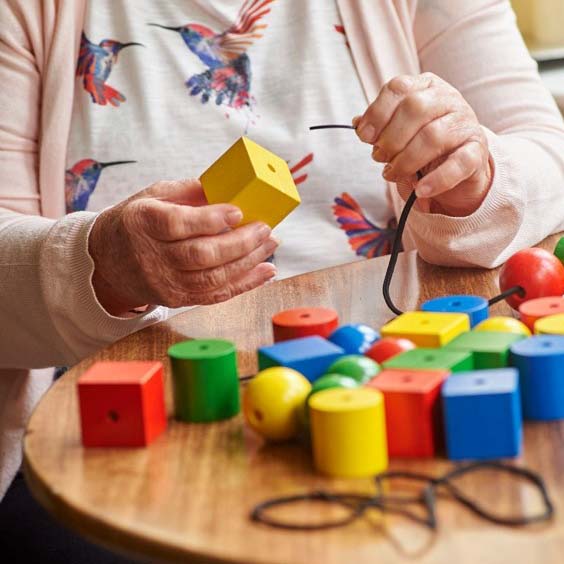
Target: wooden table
{"type": "Point", "coordinates": [187, 497]}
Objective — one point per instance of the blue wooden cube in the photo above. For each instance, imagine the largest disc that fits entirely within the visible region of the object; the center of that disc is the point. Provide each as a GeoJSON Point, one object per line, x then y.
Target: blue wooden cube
{"type": "Point", "coordinates": [311, 356]}
{"type": "Point", "coordinates": [354, 339]}
{"type": "Point", "coordinates": [540, 360]}
{"type": "Point", "coordinates": [482, 414]}
{"type": "Point", "coordinates": [475, 307]}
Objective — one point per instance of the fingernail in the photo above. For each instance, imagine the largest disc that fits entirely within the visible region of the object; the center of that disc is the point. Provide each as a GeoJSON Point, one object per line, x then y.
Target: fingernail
{"type": "Point", "coordinates": [263, 231]}
{"type": "Point", "coordinates": [270, 245]}
{"type": "Point", "coordinates": [234, 217]}
{"type": "Point", "coordinates": [367, 133]}
{"type": "Point", "coordinates": [273, 271]}
{"type": "Point", "coordinates": [422, 191]}
{"type": "Point", "coordinates": [387, 172]}
{"type": "Point", "coordinates": [355, 121]}
{"type": "Point", "coordinates": [378, 154]}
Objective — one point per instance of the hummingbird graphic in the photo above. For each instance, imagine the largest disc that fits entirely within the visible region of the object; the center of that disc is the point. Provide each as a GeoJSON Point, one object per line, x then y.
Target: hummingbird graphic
{"type": "Point", "coordinates": [228, 76]}
{"type": "Point", "coordinates": [81, 180]}
{"type": "Point", "coordinates": [95, 63]}
{"type": "Point", "coordinates": [365, 238]}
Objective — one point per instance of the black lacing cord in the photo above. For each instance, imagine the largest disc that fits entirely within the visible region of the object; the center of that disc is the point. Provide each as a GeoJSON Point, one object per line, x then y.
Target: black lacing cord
{"type": "Point", "coordinates": [357, 505]}
{"type": "Point", "coordinates": [397, 246]}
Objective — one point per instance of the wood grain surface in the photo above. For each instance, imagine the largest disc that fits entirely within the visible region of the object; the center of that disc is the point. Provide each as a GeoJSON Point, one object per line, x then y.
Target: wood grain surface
{"type": "Point", "coordinates": [187, 497]}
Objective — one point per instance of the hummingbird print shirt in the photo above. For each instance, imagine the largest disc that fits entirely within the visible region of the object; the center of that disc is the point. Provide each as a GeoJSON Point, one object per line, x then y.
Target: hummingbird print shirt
{"type": "Point", "coordinates": [164, 88]}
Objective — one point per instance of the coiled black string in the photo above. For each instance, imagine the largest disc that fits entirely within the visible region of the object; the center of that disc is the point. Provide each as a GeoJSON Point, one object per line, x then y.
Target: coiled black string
{"type": "Point", "coordinates": [397, 247]}
{"type": "Point", "coordinates": [357, 505]}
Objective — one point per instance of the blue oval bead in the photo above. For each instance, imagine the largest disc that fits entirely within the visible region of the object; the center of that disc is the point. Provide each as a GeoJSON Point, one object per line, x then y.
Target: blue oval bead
{"type": "Point", "coordinates": [354, 338]}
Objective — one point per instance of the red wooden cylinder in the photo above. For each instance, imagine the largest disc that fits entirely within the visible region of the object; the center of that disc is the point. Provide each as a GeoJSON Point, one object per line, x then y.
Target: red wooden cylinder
{"type": "Point", "coordinates": [304, 322]}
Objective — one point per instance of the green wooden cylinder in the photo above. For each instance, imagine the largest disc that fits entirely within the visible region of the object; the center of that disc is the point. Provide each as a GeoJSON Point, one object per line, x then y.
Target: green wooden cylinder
{"type": "Point", "coordinates": [205, 380]}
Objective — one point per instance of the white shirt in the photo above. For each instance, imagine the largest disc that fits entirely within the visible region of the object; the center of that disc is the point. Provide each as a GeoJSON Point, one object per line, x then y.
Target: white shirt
{"type": "Point", "coordinates": [297, 71]}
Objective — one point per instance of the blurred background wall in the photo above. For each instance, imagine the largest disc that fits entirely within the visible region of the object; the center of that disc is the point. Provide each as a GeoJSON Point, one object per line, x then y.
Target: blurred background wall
{"type": "Point", "coordinates": [542, 24]}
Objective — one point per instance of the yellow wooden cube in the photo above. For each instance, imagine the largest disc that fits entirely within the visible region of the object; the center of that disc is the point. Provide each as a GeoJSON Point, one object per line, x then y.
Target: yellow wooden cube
{"type": "Point", "coordinates": [253, 179]}
{"type": "Point", "coordinates": [427, 329]}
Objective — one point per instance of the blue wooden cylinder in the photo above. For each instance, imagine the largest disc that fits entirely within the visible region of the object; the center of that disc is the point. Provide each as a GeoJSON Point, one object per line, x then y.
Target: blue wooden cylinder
{"type": "Point", "coordinates": [540, 360]}
{"type": "Point", "coordinates": [475, 307]}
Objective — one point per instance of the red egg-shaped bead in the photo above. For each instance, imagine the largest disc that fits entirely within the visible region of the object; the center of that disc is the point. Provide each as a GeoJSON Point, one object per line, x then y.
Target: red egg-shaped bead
{"type": "Point", "coordinates": [537, 271]}
{"type": "Point", "coordinates": [386, 348]}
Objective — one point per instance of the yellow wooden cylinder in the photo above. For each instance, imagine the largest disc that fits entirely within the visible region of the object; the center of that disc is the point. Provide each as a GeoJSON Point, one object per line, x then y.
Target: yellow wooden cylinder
{"type": "Point", "coordinates": [348, 432]}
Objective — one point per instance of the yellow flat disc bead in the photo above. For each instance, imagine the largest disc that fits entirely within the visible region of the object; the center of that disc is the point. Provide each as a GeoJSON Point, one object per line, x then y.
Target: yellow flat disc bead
{"type": "Point", "coordinates": [550, 325]}
{"type": "Point", "coordinates": [348, 429]}
{"type": "Point", "coordinates": [503, 324]}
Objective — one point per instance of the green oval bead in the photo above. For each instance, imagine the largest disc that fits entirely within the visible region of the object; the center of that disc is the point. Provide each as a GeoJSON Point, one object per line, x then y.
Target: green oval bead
{"type": "Point", "coordinates": [559, 250]}
{"type": "Point", "coordinates": [205, 380]}
{"type": "Point", "coordinates": [357, 366]}
{"type": "Point", "coordinates": [326, 382]}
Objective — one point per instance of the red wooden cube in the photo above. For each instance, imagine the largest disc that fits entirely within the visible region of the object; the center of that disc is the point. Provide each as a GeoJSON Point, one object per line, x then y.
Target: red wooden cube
{"type": "Point", "coordinates": [412, 400]}
{"type": "Point", "coordinates": [122, 404]}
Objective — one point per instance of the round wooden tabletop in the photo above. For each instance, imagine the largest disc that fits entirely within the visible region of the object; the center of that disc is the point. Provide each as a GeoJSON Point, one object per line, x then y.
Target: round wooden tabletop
{"type": "Point", "coordinates": [187, 497]}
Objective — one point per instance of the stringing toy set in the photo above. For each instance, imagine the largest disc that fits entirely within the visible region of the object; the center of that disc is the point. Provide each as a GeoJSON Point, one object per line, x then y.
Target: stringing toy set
{"type": "Point", "coordinates": [447, 377]}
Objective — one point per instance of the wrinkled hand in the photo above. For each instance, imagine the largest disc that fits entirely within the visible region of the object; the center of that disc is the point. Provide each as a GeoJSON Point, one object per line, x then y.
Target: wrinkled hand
{"type": "Point", "coordinates": [166, 246]}
{"type": "Point", "coordinates": [421, 123]}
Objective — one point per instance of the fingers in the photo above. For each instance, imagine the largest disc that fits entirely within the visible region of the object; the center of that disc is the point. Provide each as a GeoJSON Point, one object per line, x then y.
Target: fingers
{"type": "Point", "coordinates": [416, 110]}
{"type": "Point", "coordinates": [202, 253]}
{"type": "Point", "coordinates": [188, 192]}
{"type": "Point", "coordinates": [165, 221]}
{"type": "Point", "coordinates": [205, 281]}
{"type": "Point", "coordinates": [380, 112]}
{"type": "Point", "coordinates": [253, 279]}
{"type": "Point", "coordinates": [436, 139]}
{"type": "Point", "coordinates": [180, 293]}
{"type": "Point", "coordinates": [462, 164]}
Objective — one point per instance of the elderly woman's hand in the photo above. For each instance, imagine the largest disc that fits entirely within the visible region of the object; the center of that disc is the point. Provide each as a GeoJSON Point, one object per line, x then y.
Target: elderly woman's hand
{"type": "Point", "coordinates": [421, 123]}
{"type": "Point", "coordinates": [166, 246]}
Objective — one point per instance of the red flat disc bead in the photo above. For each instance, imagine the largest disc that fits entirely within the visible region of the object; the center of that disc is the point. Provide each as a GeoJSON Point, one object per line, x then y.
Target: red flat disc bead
{"type": "Point", "coordinates": [540, 307]}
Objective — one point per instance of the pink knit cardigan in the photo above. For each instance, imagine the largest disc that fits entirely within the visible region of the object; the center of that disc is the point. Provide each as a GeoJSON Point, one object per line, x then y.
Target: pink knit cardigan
{"type": "Point", "coordinates": [49, 314]}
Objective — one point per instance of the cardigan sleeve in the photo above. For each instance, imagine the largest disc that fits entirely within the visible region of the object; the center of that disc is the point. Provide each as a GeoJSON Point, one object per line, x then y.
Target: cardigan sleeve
{"type": "Point", "coordinates": [477, 48]}
{"type": "Point", "coordinates": [48, 307]}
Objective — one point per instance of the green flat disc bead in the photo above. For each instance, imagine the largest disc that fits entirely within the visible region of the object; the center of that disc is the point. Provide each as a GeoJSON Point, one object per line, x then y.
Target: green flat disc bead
{"type": "Point", "coordinates": [357, 366]}
{"type": "Point", "coordinates": [205, 380]}
{"type": "Point", "coordinates": [559, 250]}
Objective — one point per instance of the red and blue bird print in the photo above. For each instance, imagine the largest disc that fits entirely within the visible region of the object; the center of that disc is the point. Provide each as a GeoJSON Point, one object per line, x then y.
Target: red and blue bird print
{"type": "Point", "coordinates": [95, 63]}
{"type": "Point", "coordinates": [365, 238]}
{"type": "Point", "coordinates": [81, 180]}
{"type": "Point", "coordinates": [228, 74]}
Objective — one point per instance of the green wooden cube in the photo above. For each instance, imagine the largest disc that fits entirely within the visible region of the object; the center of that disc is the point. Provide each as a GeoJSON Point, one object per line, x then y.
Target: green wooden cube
{"type": "Point", "coordinates": [490, 348]}
{"type": "Point", "coordinates": [433, 359]}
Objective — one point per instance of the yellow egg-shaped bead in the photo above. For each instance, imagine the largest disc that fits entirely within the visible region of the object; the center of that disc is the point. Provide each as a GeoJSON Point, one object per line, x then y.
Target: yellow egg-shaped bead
{"type": "Point", "coordinates": [273, 400]}
{"type": "Point", "coordinates": [503, 324]}
{"type": "Point", "coordinates": [348, 431]}
{"type": "Point", "coordinates": [550, 325]}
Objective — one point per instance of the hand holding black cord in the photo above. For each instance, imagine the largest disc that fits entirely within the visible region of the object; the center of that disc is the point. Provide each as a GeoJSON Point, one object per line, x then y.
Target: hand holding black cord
{"type": "Point", "coordinates": [396, 246]}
